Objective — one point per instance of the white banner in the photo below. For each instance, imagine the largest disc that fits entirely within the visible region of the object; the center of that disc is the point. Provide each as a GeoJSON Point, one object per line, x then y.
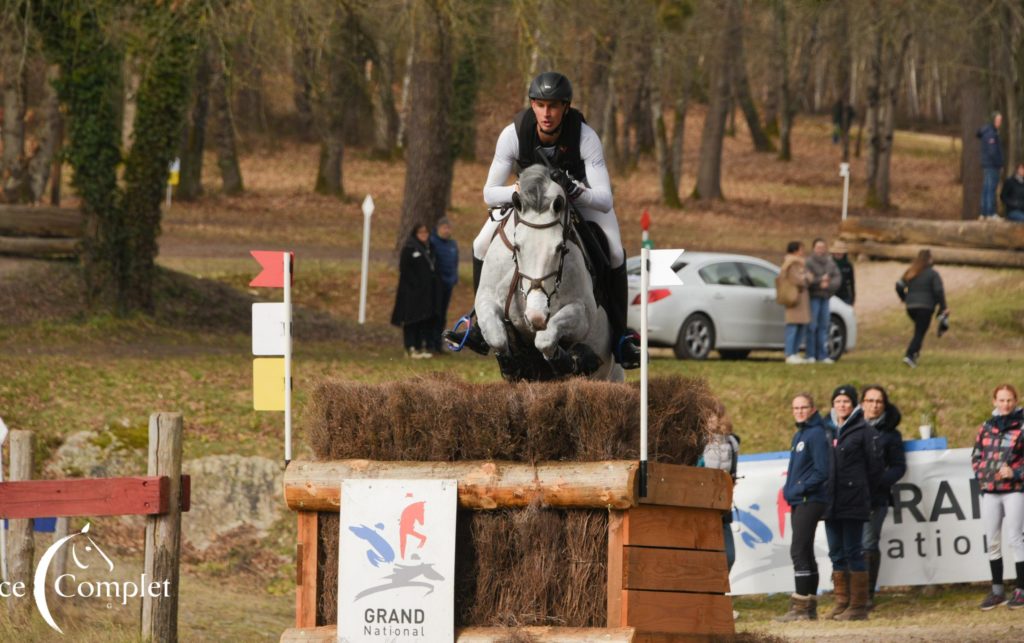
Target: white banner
{"type": "Point", "coordinates": [933, 533]}
{"type": "Point", "coordinates": [396, 561]}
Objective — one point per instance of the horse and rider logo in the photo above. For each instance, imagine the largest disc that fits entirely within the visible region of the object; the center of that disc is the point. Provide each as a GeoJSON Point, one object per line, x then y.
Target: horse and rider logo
{"type": "Point", "coordinates": [381, 552]}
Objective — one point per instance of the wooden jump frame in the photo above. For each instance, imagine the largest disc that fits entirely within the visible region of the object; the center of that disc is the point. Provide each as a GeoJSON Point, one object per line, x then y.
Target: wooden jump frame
{"type": "Point", "coordinates": [667, 571]}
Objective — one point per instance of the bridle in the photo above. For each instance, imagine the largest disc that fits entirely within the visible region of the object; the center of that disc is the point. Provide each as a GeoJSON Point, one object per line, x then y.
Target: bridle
{"type": "Point", "coordinates": [537, 283]}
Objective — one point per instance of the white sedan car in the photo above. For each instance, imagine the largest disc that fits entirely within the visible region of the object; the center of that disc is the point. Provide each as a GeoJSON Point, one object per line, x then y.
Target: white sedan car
{"type": "Point", "coordinates": [726, 303]}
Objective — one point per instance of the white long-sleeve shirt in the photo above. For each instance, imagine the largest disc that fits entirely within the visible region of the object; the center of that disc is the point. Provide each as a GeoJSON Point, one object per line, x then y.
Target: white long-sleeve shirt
{"type": "Point", "coordinates": [597, 193]}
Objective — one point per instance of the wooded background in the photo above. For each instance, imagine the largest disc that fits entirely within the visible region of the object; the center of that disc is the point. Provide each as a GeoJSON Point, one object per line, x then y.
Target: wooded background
{"type": "Point", "coordinates": [117, 89]}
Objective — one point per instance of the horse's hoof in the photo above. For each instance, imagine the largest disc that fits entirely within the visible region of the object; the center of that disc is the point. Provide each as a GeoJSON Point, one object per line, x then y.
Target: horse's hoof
{"type": "Point", "coordinates": [586, 360]}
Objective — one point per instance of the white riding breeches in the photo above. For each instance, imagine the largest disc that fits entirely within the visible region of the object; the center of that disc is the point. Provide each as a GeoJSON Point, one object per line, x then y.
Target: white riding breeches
{"type": "Point", "coordinates": [607, 221]}
{"type": "Point", "coordinates": [997, 508]}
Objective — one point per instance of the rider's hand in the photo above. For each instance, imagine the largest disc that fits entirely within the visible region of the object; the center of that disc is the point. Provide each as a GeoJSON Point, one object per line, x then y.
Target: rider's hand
{"type": "Point", "coordinates": [575, 190]}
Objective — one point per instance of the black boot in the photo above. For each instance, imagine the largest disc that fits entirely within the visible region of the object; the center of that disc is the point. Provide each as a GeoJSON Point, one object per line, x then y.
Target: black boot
{"type": "Point", "coordinates": [472, 338]}
{"type": "Point", "coordinates": [874, 562]}
{"type": "Point", "coordinates": [624, 347]}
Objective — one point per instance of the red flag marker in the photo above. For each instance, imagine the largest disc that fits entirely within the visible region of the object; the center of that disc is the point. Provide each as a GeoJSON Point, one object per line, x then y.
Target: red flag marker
{"type": "Point", "coordinates": [272, 275]}
{"type": "Point", "coordinates": [645, 220]}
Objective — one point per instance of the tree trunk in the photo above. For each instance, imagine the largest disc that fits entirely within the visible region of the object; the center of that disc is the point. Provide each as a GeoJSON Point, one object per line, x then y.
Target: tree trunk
{"type": "Point", "coordinates": [466, 84]}
{"type": "Point", "coordinates": [844, 72]}
{"type": "Point", "coordinates": [385, 117]}
{"type": "Point", "coordinates": [190, 186]}
{"type": "Point", "coordinates": [13, 59]}
{"type": "Point", "coordinates": [709, 172]}
{"type": "Point", "coordinates": [303, 63]}
{"type": "Point", "coordinates": [224, 138]}
{"type": "Point", "coordinates": [252, 112]}
{"type": "Point", "coordinates": [404, 106]}
{"type": "Point", "coordinates": [679, 131]}
{"type": "Point", "coordinates": [610, 126]}
{"type": "Point", "coordinates": [874, 115]}
{"type": "Point", "coordinates": [669, 186]}
{"type": "Point", "coordinates": [49, 135]}
{"type": "Point", "coordinates": [601, 70]}
{"type": "Point", "coordinates": [786, 109]}
{"type": "Point", "coordinates": [130, 76]}
{"type": "Point", "coordinates": [429, 166]}
{"type": "Point", "coordinates": [741, 90]}
{"type": "Point", "coordinates": [1010, 42]}
{"type": "Point", "coordinates": [974, 234]}
{"type": "Point", "coordinates": [973, 113]}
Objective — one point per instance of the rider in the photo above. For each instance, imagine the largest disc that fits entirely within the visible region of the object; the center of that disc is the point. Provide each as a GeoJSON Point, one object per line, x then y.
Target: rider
{"type": "Point", "coordinates": [550, 126]}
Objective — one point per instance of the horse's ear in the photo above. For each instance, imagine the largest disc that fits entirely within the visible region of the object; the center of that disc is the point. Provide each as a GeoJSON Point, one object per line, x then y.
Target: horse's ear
{"type": "Point", "coordinates": [517, 202]}
{"type": "Point", "coordinates": [559, 205]}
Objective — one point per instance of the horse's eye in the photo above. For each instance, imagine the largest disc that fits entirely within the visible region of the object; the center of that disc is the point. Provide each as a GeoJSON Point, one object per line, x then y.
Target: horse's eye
{"type": "Point", "coordinates": [559, 204]}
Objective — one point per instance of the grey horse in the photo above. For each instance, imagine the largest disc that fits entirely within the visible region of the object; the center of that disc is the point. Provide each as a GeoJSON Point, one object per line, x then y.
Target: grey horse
{"type": "Point", "coordinates": [535, 305]}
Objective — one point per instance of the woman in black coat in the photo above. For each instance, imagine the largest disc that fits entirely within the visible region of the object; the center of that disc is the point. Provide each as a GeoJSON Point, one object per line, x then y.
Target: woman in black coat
{"type": "Point", "coordinates": [854, 470]}
{"type": "Point", "coordinates": [417, 301]}
{"type": "Point", "coordinates": [884, 417]}
{"type": "Point", "coordinates": [920, 289]}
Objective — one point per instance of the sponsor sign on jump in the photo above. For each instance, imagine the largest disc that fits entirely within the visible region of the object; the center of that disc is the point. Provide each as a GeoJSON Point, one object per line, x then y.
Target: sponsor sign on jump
{"type": "Point", "coordinates": [396, 561]}
{"type": "Point", "coordinates": [932, 533]}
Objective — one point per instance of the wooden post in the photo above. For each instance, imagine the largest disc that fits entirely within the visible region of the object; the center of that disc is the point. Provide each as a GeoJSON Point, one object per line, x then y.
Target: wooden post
{"type": "Point", "coordinates": [307, 594]}
{"type": "Point", "coordinates": [163, 532]}
{"type": "Point", "coordinates": [20, 543]}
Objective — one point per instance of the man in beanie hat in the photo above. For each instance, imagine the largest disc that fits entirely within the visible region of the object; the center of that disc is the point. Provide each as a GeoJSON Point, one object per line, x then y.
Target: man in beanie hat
{"type": "Point", "coordinates": [854, 466]}
{"type": "Point", "coordinates": [840, 254]}
{"type": "Point", "coordinates": [446, 252]}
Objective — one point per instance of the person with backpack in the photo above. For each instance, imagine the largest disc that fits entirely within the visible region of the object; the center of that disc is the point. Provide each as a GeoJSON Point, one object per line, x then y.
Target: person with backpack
{"type": "Point", "coordinates": [998, 463]}
{"type": "Point", "coordinates": [791, 292]}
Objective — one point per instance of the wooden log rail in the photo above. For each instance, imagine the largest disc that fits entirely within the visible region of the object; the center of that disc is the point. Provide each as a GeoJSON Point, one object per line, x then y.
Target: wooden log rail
{"type": "Point", "coordinates": [485, 485]}
{"type": "Point", "coordinates": [1003, 235]}
{"type": "Point", "coordinates": [329, 634]}
{"type": "Point", "coordinates": [137, 495]}
{"type": "Point", "coordinates": [987, 257]}
{"type": "Point", "coordinates": [36, 231]}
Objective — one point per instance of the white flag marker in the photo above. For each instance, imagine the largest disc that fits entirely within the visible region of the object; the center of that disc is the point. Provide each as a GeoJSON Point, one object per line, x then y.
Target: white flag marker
{"type": "Point", "coordinates": [662, 275]}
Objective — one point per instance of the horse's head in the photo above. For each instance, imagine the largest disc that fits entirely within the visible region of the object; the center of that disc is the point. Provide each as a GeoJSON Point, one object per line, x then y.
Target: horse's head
{"type": "Point", "coordinates": [541, 217]}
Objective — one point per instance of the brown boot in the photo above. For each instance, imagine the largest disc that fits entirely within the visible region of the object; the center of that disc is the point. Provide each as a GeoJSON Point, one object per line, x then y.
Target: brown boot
{"type": "Point", "coordinates": [858, 609]}
{"type": "Point", "coordinates": [801, 608]}
{"type": "Point", "coordinates": [841, 582]}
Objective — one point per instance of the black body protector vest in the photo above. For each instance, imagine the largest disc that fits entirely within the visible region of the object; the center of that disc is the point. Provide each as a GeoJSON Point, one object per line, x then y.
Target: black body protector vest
{"type": "Point", "coordinates": [567, 147]}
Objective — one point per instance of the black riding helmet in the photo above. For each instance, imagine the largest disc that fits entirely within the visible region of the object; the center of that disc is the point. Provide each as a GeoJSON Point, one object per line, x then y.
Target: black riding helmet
{"type": "Point", "coordinates": [551, 85]}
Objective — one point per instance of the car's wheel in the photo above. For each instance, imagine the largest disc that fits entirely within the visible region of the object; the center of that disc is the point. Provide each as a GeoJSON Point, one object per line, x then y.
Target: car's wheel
{"type": "Point", "coordinates": [836, 340]}
{"type": "Point", "coordinates": [733, 354]}
{"type": "Point", "coordinates": [696, 338]}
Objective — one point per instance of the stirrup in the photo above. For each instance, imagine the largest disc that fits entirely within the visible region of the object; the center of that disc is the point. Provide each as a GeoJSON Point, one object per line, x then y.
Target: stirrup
{"type": "Point", "coordinates": [627, 353]}
{"type": "Point", "coordinates": [455, 343]}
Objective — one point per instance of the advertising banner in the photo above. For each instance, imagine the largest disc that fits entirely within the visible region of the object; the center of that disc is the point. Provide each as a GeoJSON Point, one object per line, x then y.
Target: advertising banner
{"type": "Point", "coordinates": [396, 561]}
{"type": "Point", "coordinates": [932, 534]}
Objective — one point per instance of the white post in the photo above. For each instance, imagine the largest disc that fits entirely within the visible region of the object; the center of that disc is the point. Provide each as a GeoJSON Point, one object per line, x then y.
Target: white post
{"type": "Point", "coordinates": [3, 532]}
{"type": "Point", "coordinates": [844, 171]}
{"type": "Point", "coordinates": [367, 213]}
{"type": "Point", "coordinates": [286, 257]}
{"type": "Point", "coordinates": [645, 277]}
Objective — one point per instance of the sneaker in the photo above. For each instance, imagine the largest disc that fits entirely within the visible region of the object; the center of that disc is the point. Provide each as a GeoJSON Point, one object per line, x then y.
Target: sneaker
{"type": "Point", "coordinates": [809, 360]}
{"type": "Point", "coordinates": [423, 354]}
{"type": "Point", "coordinates": [411, 353]}
{"type": "Point", "coordinates": [909, 361]}
{"type": "Point", "coordinates": [1017, 600]}
{"type": "Point", "coordinates": [827, 360]}
{"type": "Point", "coordinates": [794, 359]}
{"type": "Point", "coordinates": [993, 600]}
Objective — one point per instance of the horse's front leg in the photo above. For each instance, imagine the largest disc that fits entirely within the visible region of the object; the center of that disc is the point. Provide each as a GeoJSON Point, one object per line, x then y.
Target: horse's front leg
{"type": "Point", "coordinates": [569, 323]}
{"type": "Point", "coordinates": [490, 317]}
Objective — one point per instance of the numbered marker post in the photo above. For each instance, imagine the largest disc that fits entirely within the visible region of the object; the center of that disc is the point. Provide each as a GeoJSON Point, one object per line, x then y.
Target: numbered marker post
{"type": "Point", "coordinates": [844, 171]}
{"type": "Point", "coordinates": [367, 214]}
{"type": "Point", "coordinates": [173, 178]}
{"type": "Point", "coordinates": [655, 270]}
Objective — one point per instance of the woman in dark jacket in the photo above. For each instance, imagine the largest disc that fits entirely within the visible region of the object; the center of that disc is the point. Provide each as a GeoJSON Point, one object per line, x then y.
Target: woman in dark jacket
{"type": "Point", "coordinates": [417, 299]}
{"type": "Point", "coordinates": [854, 468]}
{"type": "Point", "coordinates": [806, 491]}
{"type": "Point", "coordinates": [921, 290]}
{"type": "Point", "coordinates": [998, 463]}
{"type": "Point", "coordinates": [884, 418]}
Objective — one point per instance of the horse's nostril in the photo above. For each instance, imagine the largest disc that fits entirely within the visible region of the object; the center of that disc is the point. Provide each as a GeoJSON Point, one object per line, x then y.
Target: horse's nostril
{"type": "Point", "coordinates": [537, 319]}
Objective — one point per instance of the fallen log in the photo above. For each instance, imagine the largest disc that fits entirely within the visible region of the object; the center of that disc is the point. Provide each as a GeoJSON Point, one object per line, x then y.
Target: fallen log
{"type": "Point", "coordinates": [964, 234]}
{"type": "Point", "coordinates": [35, 221]}
{"type": "Point", "coordinates": [39, 246]}
{"type": "Point", "coordinates": [966, 256]}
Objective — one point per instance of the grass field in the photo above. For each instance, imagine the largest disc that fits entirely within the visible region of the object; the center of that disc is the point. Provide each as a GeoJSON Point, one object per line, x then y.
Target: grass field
{"type": "Point", "coordinates": [64, 369]}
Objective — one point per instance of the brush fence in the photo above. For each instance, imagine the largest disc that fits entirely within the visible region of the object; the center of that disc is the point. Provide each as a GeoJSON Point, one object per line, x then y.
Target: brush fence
{"type": "Point", "coordinates": [667, 572]}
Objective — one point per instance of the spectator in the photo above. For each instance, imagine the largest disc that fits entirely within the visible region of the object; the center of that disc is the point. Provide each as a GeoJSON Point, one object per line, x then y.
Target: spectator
{"type": "Point", "coordinates": [791, 292]}
{"type": "Point", "coordinates": [884, 418]}
{"type": "Point", "coordinates": [840, 254]}
{"type": "Point", "coordinates": [998, 463]}
{"type": "Point", "coordinates": [841, 127]}
{"type": "Point", "coordinates": [854, 470]}
{"type": "Point", "coordinates": [921, 290]}
{"type": "Point", "coordinates": [446, 251]}
{"type": "Point", "coordinates": [806, 491]}
{"type": "Point", "coordinates": [1013, 195]}
{"type": "Point", "coordinates": [824, 280]}
{"type": "Point", "coordinates": [991, 165]}
{"type": "Point", "coordinates": [417, 298]}
{"type": "Point", "coordinates": [722, 452]}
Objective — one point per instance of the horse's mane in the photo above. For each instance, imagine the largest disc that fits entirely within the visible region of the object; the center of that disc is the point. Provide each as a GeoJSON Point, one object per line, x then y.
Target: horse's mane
{"type": "Point", "coordinates": [533, 188]}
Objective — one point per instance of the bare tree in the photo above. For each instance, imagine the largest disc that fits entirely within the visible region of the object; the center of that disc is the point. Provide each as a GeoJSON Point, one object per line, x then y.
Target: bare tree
{"type": "Point", "coordinates": [224, 132]}
{"type": "Point", "coordinates": [14, 51]}
{"type": "Point", "coordinates": [741, 90]}
{"type": "Point", "coordinates": [709, 172]}
{"type": "Point", "coordinates": [190, 186]}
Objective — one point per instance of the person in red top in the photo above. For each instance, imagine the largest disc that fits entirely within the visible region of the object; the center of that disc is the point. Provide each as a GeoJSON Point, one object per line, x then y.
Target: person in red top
{"type": "Point", "coordinates": [998, 463]}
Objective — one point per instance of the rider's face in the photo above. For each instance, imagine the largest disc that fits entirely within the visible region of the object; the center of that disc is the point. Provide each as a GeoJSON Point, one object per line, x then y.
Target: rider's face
{"type": "Point", "coordinates": [549, 114]}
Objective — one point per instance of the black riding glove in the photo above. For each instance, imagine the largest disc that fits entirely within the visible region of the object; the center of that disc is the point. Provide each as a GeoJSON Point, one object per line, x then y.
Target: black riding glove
{"type": "Point", "coordinates": [573, 189]}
